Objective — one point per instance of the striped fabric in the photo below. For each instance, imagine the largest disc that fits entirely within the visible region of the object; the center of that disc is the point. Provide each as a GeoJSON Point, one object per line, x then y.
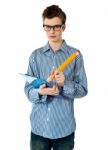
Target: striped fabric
{"type": "Point", "coordinates": [53, 116]}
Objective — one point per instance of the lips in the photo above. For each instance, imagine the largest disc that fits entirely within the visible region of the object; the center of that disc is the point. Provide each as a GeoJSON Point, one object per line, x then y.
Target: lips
{"type": "Point", "coordinates": [52, 36]}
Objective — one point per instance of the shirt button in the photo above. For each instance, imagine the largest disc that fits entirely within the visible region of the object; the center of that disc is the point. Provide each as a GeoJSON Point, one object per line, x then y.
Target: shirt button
{"type": "Point", "coordinates": [47, 119]}
{"type": "Point", "coordinates": [53, 67]}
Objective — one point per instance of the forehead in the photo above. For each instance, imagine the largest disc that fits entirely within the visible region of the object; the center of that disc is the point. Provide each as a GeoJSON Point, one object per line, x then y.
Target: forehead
{"type": "Point", "coordinates": [52, 21]}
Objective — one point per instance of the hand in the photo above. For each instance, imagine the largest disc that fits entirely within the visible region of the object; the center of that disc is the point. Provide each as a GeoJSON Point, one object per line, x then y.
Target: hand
{"type": "Point", "coordinates": [48, 91]}
{"type": "Point", "coordinates": [60, 78]}
{"type": "Point", "coordinates": [49, 79]}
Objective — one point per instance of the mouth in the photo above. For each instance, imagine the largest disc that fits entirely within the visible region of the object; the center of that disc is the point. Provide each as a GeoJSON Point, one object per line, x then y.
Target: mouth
{"type": "Point", "coordinates": [52, 36]}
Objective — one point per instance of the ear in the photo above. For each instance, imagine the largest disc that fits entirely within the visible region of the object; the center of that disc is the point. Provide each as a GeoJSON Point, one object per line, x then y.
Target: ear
{"type": "Point", "coordinates": [63, 27]}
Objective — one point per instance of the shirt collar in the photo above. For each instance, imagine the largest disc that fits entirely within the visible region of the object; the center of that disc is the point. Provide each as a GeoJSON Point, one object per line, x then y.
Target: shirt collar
{"type": "Point", "coordinates": [63, 47]}
{"type": "Point", "coordinates": [46, 48]}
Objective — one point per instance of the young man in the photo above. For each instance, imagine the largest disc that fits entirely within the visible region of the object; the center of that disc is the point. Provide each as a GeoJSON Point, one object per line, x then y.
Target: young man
{"type": "Point", "coordinates": [52, 118]}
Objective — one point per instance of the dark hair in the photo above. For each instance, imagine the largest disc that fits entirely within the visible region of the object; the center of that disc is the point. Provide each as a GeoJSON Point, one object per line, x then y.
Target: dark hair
{"type": "Point", "coordinates": [54, 11]}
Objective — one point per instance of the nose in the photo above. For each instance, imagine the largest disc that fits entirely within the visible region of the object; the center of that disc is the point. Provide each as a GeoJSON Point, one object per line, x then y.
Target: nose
{"type": "Point", "coordinates": [52, 30]}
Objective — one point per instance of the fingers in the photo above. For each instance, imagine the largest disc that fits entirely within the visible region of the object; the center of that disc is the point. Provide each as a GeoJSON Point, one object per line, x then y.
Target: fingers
{"type": "Point", "coordinates": [53, 92]}
{"type": "Point", "coordinates": [42, 86]}
{"type": "Point", "coordinates": [59, 75]}
{"type": "Point", "coordinates": [54, 75]}
{"type": "Point", "coordinates": [51, 72]}
{"type": "Point", "coordinates": [48, 91]}
{"type": "Point", "coordinates": [49, 79]}
{"type": "Point", "coordinates": [55, 88]}
{"type": "Point", "coordinates": [60, 78]}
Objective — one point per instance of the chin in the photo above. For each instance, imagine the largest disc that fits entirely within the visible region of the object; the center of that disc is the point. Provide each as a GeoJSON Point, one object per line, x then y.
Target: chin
{"type": "Point", "coordinates": [53, 40]}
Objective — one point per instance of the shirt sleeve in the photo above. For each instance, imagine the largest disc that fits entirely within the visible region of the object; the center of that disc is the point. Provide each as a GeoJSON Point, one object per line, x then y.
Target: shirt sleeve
{"type": "Point", "coordinates": [31, 92]}
{"type": "Point", "coordinates": [77, 87]}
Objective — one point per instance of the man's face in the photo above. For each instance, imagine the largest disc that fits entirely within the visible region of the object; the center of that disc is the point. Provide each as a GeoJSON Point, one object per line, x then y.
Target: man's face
{"type": "Point", "coordinates": [53, 28]}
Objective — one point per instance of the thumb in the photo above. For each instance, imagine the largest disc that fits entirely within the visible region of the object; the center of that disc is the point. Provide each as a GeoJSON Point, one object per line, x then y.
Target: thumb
{"type": "Point", "coordinates": [43, 86]}
{"type": "Point", "coordinates": [51, 72]}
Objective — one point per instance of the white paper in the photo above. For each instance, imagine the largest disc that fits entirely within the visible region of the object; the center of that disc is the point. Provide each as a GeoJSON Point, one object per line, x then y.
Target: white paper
{"type": "Point", "coordinates": [28, 78]}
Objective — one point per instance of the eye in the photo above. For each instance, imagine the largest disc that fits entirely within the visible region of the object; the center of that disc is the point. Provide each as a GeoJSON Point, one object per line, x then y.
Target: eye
{"type": "Point", "coordinates": [57, 26]}
{"type": "Point", "coordinates": [46, 27]}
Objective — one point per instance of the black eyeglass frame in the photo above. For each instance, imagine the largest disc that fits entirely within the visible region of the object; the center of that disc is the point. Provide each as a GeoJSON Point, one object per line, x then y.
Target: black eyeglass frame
{"type": "Point", "coordinates": [55, 27]}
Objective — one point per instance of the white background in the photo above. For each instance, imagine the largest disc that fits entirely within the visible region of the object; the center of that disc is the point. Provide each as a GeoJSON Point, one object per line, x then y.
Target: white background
{"type": "Point", "coordinates": [20, 33]}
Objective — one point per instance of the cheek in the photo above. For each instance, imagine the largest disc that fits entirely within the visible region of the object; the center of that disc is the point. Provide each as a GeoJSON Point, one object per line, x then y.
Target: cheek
{"type": "Point", "coordinates": [47, 34]}
{"type": "Point", "coordinates": [58, 34]}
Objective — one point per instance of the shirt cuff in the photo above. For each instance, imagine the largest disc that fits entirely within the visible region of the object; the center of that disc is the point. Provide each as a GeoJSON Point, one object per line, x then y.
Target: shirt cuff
{"type": "Point", "coordinates": [68, 87]}
{"type": "Point", "coordinates": [36, 97]}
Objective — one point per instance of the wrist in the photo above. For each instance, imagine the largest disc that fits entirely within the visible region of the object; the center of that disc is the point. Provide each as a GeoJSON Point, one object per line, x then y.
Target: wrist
{"type": "Point", "coordinates": [61, 84]}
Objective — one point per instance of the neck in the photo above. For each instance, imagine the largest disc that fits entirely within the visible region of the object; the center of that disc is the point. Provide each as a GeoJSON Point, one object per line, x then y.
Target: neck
{"type": "Point", "coordinates": [55, 45]}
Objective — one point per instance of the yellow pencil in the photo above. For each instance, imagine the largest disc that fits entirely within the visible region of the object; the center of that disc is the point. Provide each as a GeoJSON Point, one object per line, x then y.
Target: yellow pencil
{"type": "Point", "coordinates": [64, 65]}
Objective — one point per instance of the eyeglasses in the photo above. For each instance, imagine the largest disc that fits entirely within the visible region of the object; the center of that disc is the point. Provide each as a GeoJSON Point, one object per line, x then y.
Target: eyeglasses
{"type": "Point", "coordinates": [55, 28]}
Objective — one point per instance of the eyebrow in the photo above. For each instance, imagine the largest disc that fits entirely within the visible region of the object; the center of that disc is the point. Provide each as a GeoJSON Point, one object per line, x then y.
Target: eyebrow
{"type": "Point", "coordinates": [53, 25]}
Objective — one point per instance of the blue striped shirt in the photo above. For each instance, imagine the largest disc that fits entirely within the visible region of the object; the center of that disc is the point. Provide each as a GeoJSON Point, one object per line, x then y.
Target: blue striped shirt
{"type": "Point", "coordinates": [53, 116]}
